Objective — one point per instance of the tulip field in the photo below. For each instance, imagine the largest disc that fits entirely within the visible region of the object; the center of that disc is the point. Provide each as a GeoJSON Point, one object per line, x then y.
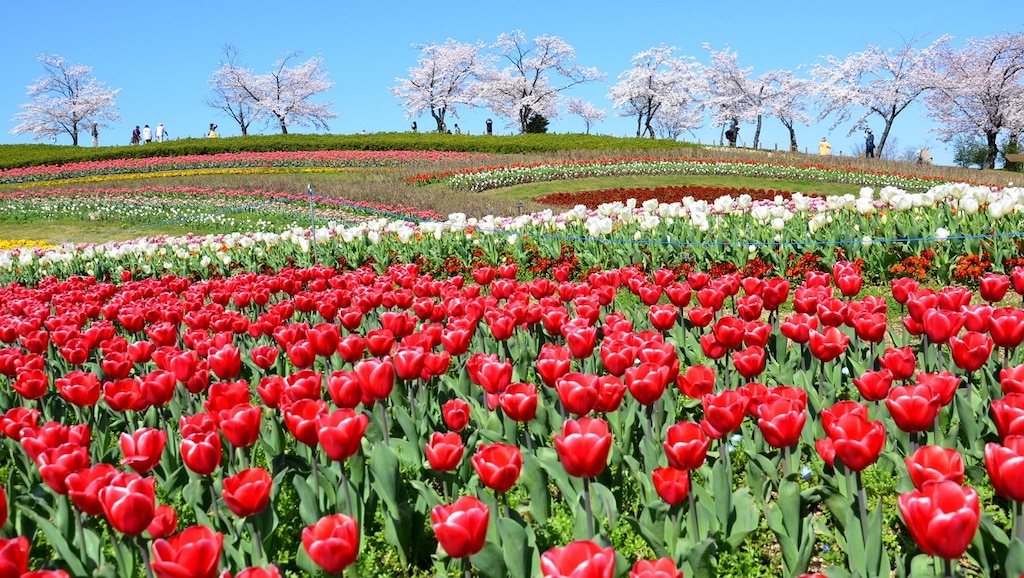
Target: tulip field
{"type": "Point", "coordinates": [652, 383]}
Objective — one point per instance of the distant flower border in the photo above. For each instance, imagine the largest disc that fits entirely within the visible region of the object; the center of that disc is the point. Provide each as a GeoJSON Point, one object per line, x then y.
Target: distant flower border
{"type": "Point", "coordinates": [492, 177]}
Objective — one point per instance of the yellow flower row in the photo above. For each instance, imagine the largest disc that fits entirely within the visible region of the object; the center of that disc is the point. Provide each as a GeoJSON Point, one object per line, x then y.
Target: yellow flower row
{"type": "Point", "coordinates": [188, 172]}
{"type": "Point", "coordinates": [11, 244]}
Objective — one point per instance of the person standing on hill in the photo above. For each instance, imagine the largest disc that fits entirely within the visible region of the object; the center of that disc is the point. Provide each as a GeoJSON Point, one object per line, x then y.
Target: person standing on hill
{"type": "Point", "coordinates": [213, 131]}
{"type": "Point", "coordinates": [160, 132]}
{"type": "Point", "coordinates": [824, 149]}
{"type": "Point", "coordinates": [147, 134]}
{"type": "Point", "coordinates": [869, 144]}
{"type": "Point", "coordinates": [136, 136]}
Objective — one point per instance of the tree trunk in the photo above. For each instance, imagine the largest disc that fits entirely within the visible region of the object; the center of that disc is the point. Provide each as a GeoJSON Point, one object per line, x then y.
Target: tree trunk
{"type": "Point", "coordinates": [792, 141]}
{"type": "Point", "coordinates": [993, 149]}
{"type": "Point", "coordinates": [885, 135]}
{"type": "Point", "coordinates": [757, 133]}
{"type": "Point", "coordinates": [639, 124]}
{"type": "Point", "coordinates": [284, 126]}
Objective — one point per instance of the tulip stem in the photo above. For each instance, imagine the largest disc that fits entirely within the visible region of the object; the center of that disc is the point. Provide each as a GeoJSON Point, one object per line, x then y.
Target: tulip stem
{"type": "Point", "coordinates": [314, 468]}
{"type": "Point", "coordinates": [862, 505]}
{"type": "Point", "coordinates": [692, 514]}
{"type": "Point", "coordinates": [590, 512]}
{"type": "Point", "coordinates": [348, 495]}
{"type": "Point", "coordinates": [947, 568]}
{"type": "Point", "coordinates": [258, 557]}
{"type": "Point", "coordinates": [1018, 519]}
{"type": "Point", "coordinates": [145, 556]}
{"type": "Point", "coordinates": [466, 568]}
{"type": "Point", "coordinates": [786, 466]}
{"type": "Point", "coordinates": [79, 527]}
{"type": "Point", "coordinates": [384, 421]}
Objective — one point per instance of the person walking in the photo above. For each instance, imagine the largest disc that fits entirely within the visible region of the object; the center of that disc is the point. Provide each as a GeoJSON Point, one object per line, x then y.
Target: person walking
{"type": "Point", "coordinates": [95, 134]}
{"type": "Point", "coordinates": [136, 136]}
{"type": "Point", "coordinates": [824, 149]}
{"type": "Point", "coordinates": [160, 132]}
{"type": "Point", "coordinates": [213, 131]}
{"type": "Point", "coordinates": [147, 135]}
{"type": "Point", "coordinates": [869, 144]}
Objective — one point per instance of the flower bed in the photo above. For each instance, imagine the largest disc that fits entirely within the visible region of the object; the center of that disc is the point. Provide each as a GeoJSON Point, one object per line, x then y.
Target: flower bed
{"type": "Point", "coordinates": [243, 160]}
{"type": "Point", "coordinates": [484, 178]}
{"type": "Point", "coordinates": [593, 199]}
{"type": "Point", "coordinates": [309, 416]}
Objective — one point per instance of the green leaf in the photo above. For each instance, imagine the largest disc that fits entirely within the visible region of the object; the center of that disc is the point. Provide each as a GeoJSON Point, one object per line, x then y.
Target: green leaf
{"type": "Point", "coordinates": [60, 544]}
{"type": "Point", "coordinates": [536, 483]}
{"type": "Point", "coordinates": [309, 508]}
{"type": "Point", "coordinates": [1015, 558]}
{"type": "Point", "coordinates": [653, 538]}
{"type": "Point", "coordinates": [489, 562]}
{"type": "Point", "coordinates": [519, 554]}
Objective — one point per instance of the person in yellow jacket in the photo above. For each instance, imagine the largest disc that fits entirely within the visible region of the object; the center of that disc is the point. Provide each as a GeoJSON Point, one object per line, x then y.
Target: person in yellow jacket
{"type": "Point", "coordinates": [213, 131]}
{"type": "Point", "coordinates": [824, 149]}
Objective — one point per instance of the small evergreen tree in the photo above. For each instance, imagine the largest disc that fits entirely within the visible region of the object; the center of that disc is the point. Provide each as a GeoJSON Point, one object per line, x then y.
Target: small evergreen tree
{"type": "Point", "coordinates": [537, 124]}
{"type": "Point", "coordinates": [969, 152]}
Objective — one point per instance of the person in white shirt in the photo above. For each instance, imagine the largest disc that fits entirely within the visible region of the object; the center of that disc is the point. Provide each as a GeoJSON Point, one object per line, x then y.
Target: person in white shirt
{"type": "Point", "coordinates": [160, 132]}
{"type": "Point", "coordinates": [147, 134]}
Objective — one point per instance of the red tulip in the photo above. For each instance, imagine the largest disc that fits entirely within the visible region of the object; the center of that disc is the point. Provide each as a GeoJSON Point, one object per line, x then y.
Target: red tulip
{"type": "Point", "coordinates": [972, 351]}
{"type": "Point", "coordinates": [578, 392]}
{"type": "Point", "coordinates": [993, 286]}
{"type": "Point", "coordinates": [749, 307]}
{"type": "Point", "coordinates": [942, 518]}
{"type": "Point", "coordinates": [579, 559]}
{"type": "Point", "coordinates": [757, 333]}
{"type": "Point", "coordinates": [711, 347]}
{"type": "Point", "coordinates": [781, 421]}
{"type": "Point", "coordinates": [455, 413]}
{"type": "Point", "coordinates": [1017, 279]}
{"type": "Point", "coordinates": [697, 381]}
{"type": "Point", "coordinates": [686, 445]}
{"type": "Point", "coordinates": [300, 419]}
{"type": "Point", "coordinates": [498, 465]}
{"type": "Point", "coordinates": [247, 493]}
{"type": "Point", "coordinates": [580, 340]}
{"type": "Point", "coordinates": [79, 388]}
{"type": "Point", "coordinates": [14, 557]}
{"type": "Point", "coordinates": [519, 401]}
{"type": "Point", "coordinates": [874, 385]}
{"type": "Point", "coordinates": [870, 326]}
{"type": "Point", "coordinates": [343, 387]}
{"type": "Point", "coordinates": [729, 331]}
{"type": "Point", "coordinates": [490, 373]}
{"type": "Point", "coordinates": [164, 523]}
{"type": "Point", "coordinates": [341, 433]}
{"type": "Point", "coordinates": [18, 418]}
{"type": "Point", "coordinates": [1005, 464]}
{"type": "Point", "coordinates": [902, 287]}
{"type": "Point", "coordinates": [941, 324]}
{"type": "Point", "coordinates": [663, 317]}
{"type": "Point", "coordinates": [617, 355]}
{"type": "Point", "coordinates": [333, 542]}
{"type": "Point", "coordinates": [264, 356]}
{"type": "Point", "coordinates": [934, 463]}
{"type": "Point", "coordinates": [797, 327]}
{"type": "Point", "coordinates": [901, 362]}
{"type": "Point", "coordinates": [240, 424]}
{"type": "Point", "coordinates": [324, 339]}
{"type": "Point", "coordinates": [36, 440]}
{"type": "Point", "coordinates": [129, 502]}
{"type": "Point", "coordinates": [857, 441]}
{"type": "Point", "coordinates": [700, 316]}
{"type": "Point", "coordinates": [201, 452]}
{"type": "Point", "coordinates": [749, 362]}
{"type": "Point", "coordinates": [461, 528]}
{"type": "Point", "coordinates": [660, 568]}
{"type": "Point", "coordinates": [831, 311]}
{"type": "Point", "coordinates": [1006, 326]}
{"type": "Point", "coordinates": [255, 572]}
{"type": "Point", "coordinates": [583, 446]}
{"type": "Point", "coordinates": [710, 298]}
{"type": "Point", "coordinates": [351, 347]}
{"type": "Point", "coordinates": [827, 450]}
{"type": "Point", "coordinates": [376, 377]}
{"type": "Point", "coordinates": [679, 293]}
{"type": "Point", "coordinates": [724, 412]}
{"type": "Point", "coordinates": [672, 484]}
{"type": "Point", "coordinates": [913, 407]}
{"type": "Point", "coordinates": [553, 362]}
{"type": "Point", "coordinates": [304, 384]}
{"type": "Point", "coordinates": [56, 464]}
{"type": "Point", "coordinates": [193, 552]}
{"type": "Point", "coordinates": [1011, 379]}
{"type": "Point", "coordinates": [647, 381]}
{"type": "Point", "coordinates": [3, 506]}
{"type": "Point", "coordinates": [829, 344]}
{"type": "Point", "coordinates": [610, 390]}
{"type": "Point", "coordinates": [143, 449]}
{"type": "Point", "coordinates": [226, 362]}
{"type": "Point", "coordinates": [31, 383]}
{"type": "Point", "coordinates": [444, 451]}
{"type": "Point", "coordinates": [977, 316]}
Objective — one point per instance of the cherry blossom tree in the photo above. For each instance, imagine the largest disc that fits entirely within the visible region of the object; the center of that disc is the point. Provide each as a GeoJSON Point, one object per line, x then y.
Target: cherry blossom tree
{"type": "Point", "coordinates": [877, 82]}
{"type": "Point", "coordinates": [536, 74]}
{"type": "Point", "coordinates": [585, 110]}
{"type": "Point", "coordinates": [229, 94]}
{"type": "Point", "coordinates": [733, 96]}
{"type": "Point", "coordinates": [442, 80]}
{"type": "Point", "coordinates": [66, 100]}
{"type": "Point", "coordinates": [285, 93]}
{"type": "Point", "coordinates": [786, 99]}
{"type": "Point", "coordinates": [979, 90]}
{"type": "Point", "coordinates": [659, 86]}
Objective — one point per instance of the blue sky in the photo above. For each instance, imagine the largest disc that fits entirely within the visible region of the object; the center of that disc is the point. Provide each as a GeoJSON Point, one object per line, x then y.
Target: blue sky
{"type": "Point", "coordinates": [160, 54]}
